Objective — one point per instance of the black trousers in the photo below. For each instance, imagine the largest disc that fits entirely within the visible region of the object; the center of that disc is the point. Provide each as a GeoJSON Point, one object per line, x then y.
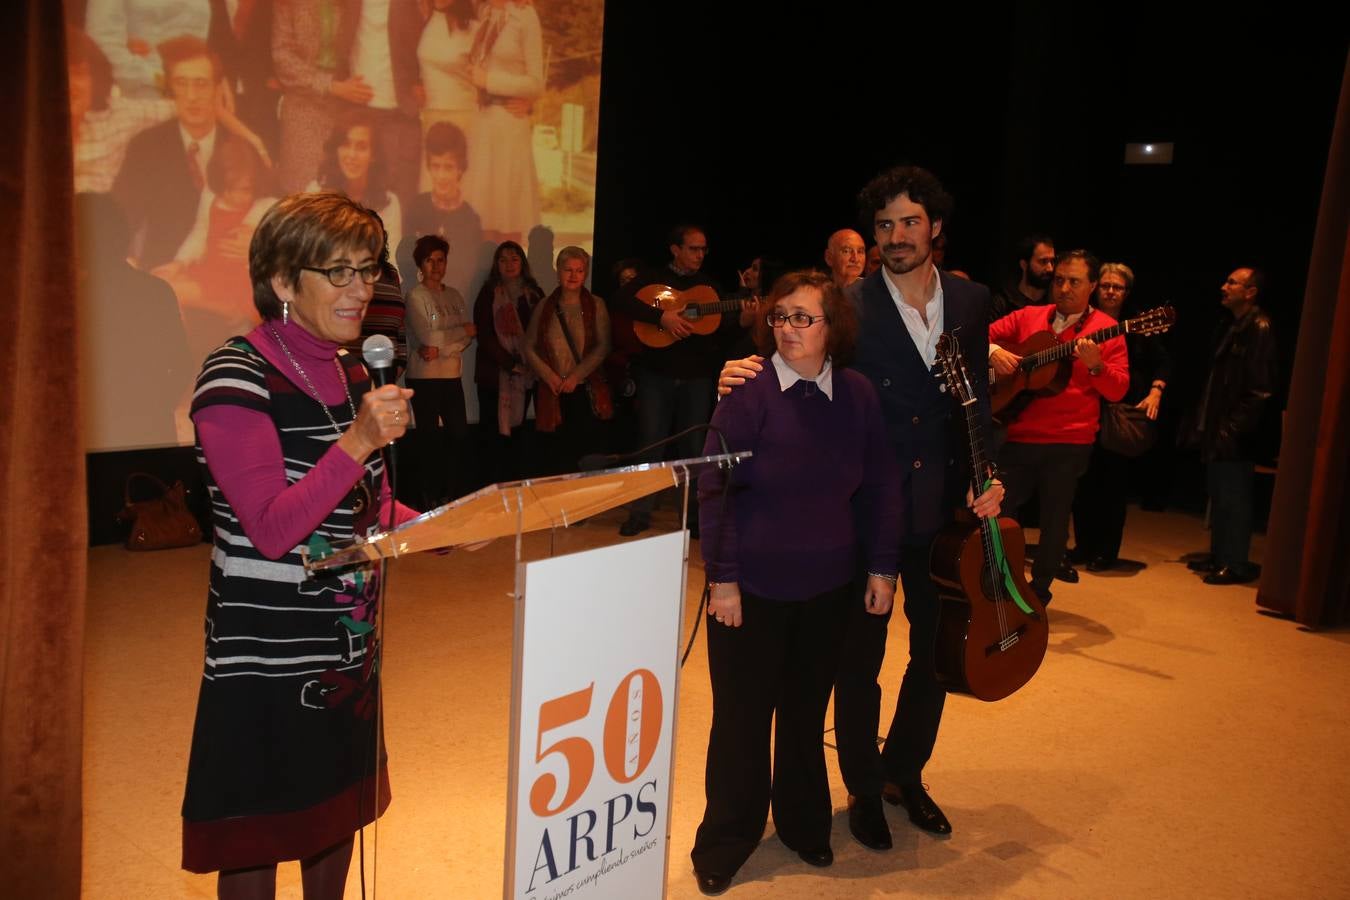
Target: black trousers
{"type": "Point", "coordinates": [776, 669]}
{"type": "Point", "coordinates": [1051, 471]}
{"type": "Point", "coordinates": [1099, 505]}
{"type": "Point", "coordinates": [857, 695]}
{"type": "Point", "coordinates": [579, 434]}
{"type": "Point", "coordinates": [440, 439]}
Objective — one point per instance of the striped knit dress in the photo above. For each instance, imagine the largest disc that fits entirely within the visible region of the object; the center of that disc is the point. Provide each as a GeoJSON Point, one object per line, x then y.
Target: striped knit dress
{"type": "Point", "coordinates": [284, 761]}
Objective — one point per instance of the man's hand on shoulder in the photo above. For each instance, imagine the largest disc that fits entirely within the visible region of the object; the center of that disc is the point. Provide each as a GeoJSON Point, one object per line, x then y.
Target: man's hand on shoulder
{"type": "Point", "coordinates": [737, 372]}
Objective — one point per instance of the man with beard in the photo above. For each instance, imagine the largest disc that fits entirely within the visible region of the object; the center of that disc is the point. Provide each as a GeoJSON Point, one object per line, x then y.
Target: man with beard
{"type": "Point", "coordinates": [1036, 260]}
{"type": "Point", "coordinates": [845, 254]}
{"type": "Point", "coordinates": [904, 307]}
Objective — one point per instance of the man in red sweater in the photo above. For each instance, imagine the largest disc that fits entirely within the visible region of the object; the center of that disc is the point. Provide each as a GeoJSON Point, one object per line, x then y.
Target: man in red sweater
{"type": "Point", "coordinates": [1049, 444]}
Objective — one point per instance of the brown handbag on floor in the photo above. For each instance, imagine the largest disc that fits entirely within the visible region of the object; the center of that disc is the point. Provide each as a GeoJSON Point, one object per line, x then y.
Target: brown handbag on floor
{"type": "Point", "coordinates": [162, 522]}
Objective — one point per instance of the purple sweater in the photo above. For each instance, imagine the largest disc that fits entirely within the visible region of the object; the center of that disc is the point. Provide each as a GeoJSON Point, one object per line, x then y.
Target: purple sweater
{"type": "Point", "coordinates": [243, 449]}
{"type": "Point", "coordinates": [820, 495]}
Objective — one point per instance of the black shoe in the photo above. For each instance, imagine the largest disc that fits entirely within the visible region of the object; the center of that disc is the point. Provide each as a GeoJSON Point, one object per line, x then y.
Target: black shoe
{"type": "Point", "coordinates": [1205, 563]}
{"type": "Point", "coordinates": [1100, 564]}
{"type": "Point", "coordinates": [1232, 575]}
{"type": "Point", "coordinates": [818, 858]}
{"type": "Point", "coordinates": [867, 823]}
{"type": "Point", "coordinates": [636, 525]}
{"type": "Point", "coordinates": [923, 812]}
{"type": "Point", "coordinates": [710, 884]}
{"type": "Point", "coordinates": [1067, 573]}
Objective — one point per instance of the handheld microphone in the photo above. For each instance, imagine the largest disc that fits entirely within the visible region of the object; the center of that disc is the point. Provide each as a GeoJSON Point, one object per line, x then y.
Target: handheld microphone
{"type": "Point", "coordinates": [378, 353]}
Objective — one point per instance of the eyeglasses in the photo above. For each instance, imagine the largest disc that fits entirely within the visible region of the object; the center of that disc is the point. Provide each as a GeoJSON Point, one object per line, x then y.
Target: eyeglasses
{"type": "Point", "coordinates": [341, 276]}
{"type": "Point", "coordinates": [851, 251]}
{"type": "Point", "coordinates": [796, 320]}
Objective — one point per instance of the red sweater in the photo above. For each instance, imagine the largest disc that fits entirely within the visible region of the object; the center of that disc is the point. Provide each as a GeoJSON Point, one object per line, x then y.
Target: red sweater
{"type": "Point", "coordinates": [1072, 416]}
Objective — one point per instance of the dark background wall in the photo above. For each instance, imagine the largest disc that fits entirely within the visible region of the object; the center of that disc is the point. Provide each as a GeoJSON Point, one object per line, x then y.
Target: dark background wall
{"type": "Point", "coordinates": [762, 122]}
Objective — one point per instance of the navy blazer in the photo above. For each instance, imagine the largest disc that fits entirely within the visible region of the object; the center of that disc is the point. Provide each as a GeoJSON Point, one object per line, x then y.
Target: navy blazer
{"type": "Point", "coordinates": [156, 192]}
{"type": "Point", "coordinates": [926, 428]}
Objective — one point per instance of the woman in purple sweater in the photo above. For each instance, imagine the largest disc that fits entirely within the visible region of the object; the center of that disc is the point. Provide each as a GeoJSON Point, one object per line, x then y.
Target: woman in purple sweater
{"type": "Point", "coordinates": [286, 761]}
{"type": "Point", "coordinates": [783, 544]}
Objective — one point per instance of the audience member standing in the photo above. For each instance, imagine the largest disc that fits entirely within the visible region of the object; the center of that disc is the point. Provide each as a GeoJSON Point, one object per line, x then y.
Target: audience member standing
{"type": "Point", "coordinates": [504, 380]}
{"type": "Point", "coordinates": [567, 340]}
{"type": "Point", "coordinates": [1036, 266]}
{"type": "Point", "coordinates": [1228, 426]}
{"type": "Point", "coordinates": [439, 329]}
{"type": "Point", "coordinates": [1099, 504]}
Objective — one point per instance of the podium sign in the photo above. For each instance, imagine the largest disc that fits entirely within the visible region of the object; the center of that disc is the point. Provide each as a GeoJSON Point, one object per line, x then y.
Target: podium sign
{"type": "Point", "coordinates": [593, 721]}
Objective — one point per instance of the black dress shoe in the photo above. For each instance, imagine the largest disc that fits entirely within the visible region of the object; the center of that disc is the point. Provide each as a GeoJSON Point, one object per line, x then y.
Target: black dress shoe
{"type": "Point", "coordinates": [1067, 573]}
{"type": "Point", "coordinates": [1100, 564]}
{"type": "Point", "coordinates": [710, 884]}
{"type": "Point", "coordinates": [867, 822]}
{"type": "Point", "coordinates": [1231, 575]}
{"type": "Point", "coordinates": [923, 812]}
{"type": "Point", "coordinates": [1205, 563]}
{"type": "Point", "coordinates": [818, 858]}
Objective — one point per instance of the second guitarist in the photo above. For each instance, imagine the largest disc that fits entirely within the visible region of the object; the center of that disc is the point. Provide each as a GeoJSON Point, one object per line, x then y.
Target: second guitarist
{"type": "Point", "coordinates": [675, 384]}
{"type": "Point", "coordinates": [1049, 444]}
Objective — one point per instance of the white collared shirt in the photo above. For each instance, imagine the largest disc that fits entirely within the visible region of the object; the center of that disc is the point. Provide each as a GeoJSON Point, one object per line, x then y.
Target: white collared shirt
{"type": "Point", "coordinates": [1061, 321]}
{"type": "Point", "coordinates": [206, 146]}
{"type": "Point", "coordinates": [787, 376]}
{"type": "Point", "coordinates": [925, 337]}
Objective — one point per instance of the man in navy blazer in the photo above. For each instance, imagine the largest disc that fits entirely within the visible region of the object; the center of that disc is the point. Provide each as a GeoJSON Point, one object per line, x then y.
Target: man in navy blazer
{"type": "Point", "coordinates": [904, 306]}
{"type": "Point", "coordinates": [164, 170]}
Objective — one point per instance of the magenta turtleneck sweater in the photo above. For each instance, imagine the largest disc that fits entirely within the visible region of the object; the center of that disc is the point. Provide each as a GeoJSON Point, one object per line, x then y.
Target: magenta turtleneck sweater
{"type": "Point", "coordinates": [243, 451]}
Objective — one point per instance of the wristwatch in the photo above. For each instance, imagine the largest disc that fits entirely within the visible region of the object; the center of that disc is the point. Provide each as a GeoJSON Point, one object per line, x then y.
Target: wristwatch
{"type": "Point", "coordinates": [1098, 369]}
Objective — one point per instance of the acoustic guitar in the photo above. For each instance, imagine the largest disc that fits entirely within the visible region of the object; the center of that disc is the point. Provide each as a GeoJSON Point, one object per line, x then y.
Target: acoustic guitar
{"type": "Point", "coordinates": [699, 306]}
{"type": "Point", "coordinates": [1047, 362]}
{"type": "Point", "coordinates": [992, 628]}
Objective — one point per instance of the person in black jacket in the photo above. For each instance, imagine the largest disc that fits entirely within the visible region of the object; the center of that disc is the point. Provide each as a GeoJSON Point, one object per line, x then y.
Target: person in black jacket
{"type": "Point", "coordinates": [1099, 502]}
{"type": "Point", "coordinates": [903, 307]}
{"type": "Point", "coordinates": [675, 384]}
{"type": "Point", "coordinates": [1227, 426]}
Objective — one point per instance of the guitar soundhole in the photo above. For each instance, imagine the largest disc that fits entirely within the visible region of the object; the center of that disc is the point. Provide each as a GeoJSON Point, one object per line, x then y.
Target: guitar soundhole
{"type": "Point", "coordinates": [987, 586]}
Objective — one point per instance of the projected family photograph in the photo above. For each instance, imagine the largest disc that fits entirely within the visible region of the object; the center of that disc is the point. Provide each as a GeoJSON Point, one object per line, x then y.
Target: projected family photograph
{"type": "Point", "coordinates": [472, 121]}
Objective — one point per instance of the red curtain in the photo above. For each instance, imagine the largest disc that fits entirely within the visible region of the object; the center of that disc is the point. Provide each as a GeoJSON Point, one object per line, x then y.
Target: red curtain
{"type": "Point", "coordinates": [42, 515]}
{"type": "Point", "coordinates": [1306, 571]}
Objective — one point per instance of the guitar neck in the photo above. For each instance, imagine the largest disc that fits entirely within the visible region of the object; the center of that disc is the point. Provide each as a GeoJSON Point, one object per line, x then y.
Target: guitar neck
{"type": "Point", "coordinates": [978, 462]}
{"type": "Point", "coordinates": [1065, 350]}
{"type": "Point", "coordinates": [721, 306]}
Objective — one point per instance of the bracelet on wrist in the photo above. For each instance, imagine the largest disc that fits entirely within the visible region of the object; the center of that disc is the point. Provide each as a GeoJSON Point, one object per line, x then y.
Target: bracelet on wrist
{"type": "Point", "coordinates": [890, 578]}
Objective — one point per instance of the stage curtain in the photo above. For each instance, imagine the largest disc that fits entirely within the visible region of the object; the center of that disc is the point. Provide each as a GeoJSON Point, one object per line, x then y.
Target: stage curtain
{"type": "Point", "coordinates": [1306, 570]}
{"type": "Point", "coordinates": [42, 517]}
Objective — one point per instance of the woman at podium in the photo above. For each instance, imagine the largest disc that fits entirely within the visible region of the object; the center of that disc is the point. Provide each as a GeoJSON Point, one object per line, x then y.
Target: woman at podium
{"type": "Point", "coordinates": [783, 537]}
{"type": "Point", "coordinates": [286, 761]}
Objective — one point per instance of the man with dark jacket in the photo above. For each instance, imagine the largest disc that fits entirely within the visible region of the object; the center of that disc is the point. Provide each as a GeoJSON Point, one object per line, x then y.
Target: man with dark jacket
{"type": "Point", "coordinates": [903, 308]}
{"type": "Point", "coordinates": [1031, 286]}
{"type": "Point", "coordinates": [675, 383]}
{"type": "Point", "coordinates": [1227, 426]}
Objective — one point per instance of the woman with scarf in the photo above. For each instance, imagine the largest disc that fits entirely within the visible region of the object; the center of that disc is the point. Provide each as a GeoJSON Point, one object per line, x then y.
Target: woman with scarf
{"type": "Point", "coordinates": [567, 340]}
{"type": "Point", "coordinates": [504, 380]}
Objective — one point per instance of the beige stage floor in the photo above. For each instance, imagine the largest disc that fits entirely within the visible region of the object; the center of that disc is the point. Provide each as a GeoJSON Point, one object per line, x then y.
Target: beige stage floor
{"type": "Point", "coordinates": [1176, 743]}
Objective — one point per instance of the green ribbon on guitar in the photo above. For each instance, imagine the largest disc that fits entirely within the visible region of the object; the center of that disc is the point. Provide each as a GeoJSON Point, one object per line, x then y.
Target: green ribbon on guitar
{"type": "Point", "coordinates": [1001, 561]}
